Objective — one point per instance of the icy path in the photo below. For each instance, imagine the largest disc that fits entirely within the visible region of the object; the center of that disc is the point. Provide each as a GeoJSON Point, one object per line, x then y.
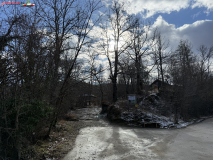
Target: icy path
{"type": "Point", "coordinates": [125, 143]}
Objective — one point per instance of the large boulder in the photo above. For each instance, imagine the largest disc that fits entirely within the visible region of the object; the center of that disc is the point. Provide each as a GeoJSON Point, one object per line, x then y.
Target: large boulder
{"type": "Point", "coordinates": [114, 113]}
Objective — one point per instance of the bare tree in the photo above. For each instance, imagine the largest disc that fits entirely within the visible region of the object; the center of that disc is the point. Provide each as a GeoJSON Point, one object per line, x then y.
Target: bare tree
{"type": "Point", "coordinates": [22, 83]}
{"type": "Point", "coordinates": [142, 42]}
{"type": "Point", "coordinates": [160, 56]}
{"type": "Point", "coordinates": [125, 75]}
{"type": "Point", "coordinates": [6, 38]}
{"type": "Point", "coordinates": [182, 70]}
{"type": "Point", "coordinates": [205, 57]}
{"type": "Point", "coordinates": [66, 20]}
{"type": "Point", "coordinates": [95, 71]}
{"type": "Point", "coordinates": [115, 43]}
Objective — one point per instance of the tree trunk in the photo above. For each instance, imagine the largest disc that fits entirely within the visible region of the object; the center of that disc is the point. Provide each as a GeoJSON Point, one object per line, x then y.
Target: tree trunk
{"type": "Point", "coordinates": [114, 78]}
{"type": "Point", "coordinates": [137, 65]}
{"type": "Point", "coordinates": [161, 67]}
{"type": "Point", "coordinates": [102, 93]}
{"type": "Point", "coordinates": [114, 81]}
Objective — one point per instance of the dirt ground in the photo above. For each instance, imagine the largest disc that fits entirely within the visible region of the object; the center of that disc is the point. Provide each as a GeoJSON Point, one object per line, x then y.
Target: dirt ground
{"type": "Point", "coordinates": [62, 138]}
{"type": "Point", "coordinates": [92, 137]}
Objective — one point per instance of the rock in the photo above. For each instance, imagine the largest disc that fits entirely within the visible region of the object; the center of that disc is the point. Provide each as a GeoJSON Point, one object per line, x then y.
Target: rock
{"type": "Point", "coordinates": [70, 117]}
{"type": "Point", "coordinates": [105, 105]}
{"type": "Point", "coordinates": [114, 113]}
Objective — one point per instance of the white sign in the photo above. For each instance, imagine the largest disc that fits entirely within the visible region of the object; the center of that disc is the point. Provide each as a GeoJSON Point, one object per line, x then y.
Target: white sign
{"type": "Point", "coordinates": [132, 98]}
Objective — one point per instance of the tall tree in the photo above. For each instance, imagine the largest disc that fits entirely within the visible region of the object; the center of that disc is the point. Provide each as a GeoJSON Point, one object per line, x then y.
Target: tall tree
{"type": "Point", "coordinates": [115, 37]}
{"type": "Point", "coordinates": [182, 70]}
{"type": "Point", "coordinates": [6, 38]}
{"type": "Point", "coordinates": [66, 20]}
{"type": "Point", "coordinates": [160, 55]}
{"type": "Point", "coordinates": [22, 85]}
{"type": "Point", "coordinates": [205, 60]}
{"type": "Point", "coordinates": [142, 42]}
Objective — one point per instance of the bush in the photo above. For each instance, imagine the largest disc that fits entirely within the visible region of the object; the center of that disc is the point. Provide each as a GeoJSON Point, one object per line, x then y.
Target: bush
{"type": "Point", "coordinates": [33, 113]}
{"type": "Point", "coordinates": [30, 115]}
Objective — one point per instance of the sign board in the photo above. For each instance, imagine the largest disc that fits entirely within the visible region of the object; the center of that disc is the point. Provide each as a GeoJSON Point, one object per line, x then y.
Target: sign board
{"type": "Point", "coordinates": [131, 98]}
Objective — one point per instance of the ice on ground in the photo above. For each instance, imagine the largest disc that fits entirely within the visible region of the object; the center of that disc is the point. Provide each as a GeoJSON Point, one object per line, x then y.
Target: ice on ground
{"type": "Point", "coordinates": [164, 122]}
{"type": "Point", "coordinates": [111, 143]}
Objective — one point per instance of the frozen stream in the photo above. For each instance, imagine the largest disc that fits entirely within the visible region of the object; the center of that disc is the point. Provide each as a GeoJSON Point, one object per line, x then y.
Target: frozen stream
{"type": "Point", "coordinates": [128, 143]}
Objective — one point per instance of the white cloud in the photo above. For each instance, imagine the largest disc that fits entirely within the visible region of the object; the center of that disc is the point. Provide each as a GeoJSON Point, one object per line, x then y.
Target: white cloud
{"type": "Point", "coordinates": [200, 32]}
{"type": "Point", "coordinates": [149, 8]}
{"type": "Point", "coordinates": [204, 3]}
{"type": "Point", "coordinates": [197, 14]}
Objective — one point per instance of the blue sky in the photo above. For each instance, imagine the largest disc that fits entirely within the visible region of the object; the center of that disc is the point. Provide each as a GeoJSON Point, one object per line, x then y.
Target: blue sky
{"type": "Point", "coordinates": [185, 16]}
{"type": "Point", "coordinates": [177, 20]}
{"type": "Point", "coordinates": [169, 16]}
